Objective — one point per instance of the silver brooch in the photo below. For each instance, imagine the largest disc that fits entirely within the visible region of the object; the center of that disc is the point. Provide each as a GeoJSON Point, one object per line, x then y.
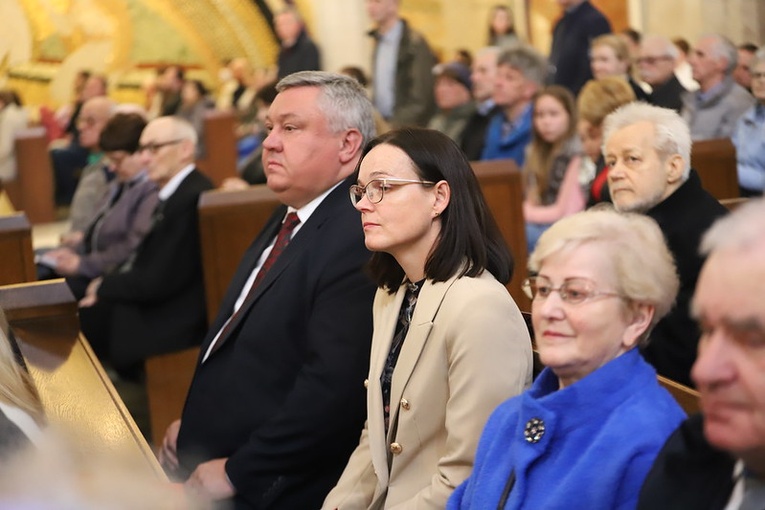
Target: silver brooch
{"type": "Point", "coordinates": [535, 429]}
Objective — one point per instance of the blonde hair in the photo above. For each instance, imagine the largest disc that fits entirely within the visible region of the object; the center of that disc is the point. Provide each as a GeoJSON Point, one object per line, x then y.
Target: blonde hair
{"type": "Point", "coordinates": [644, 267]}
{"type": "Point", "coordinates": [614, 42]}
{"type": "Point", "coordinates": [16, 387]}
{"type": "Point", "coordinates": [600, 97]}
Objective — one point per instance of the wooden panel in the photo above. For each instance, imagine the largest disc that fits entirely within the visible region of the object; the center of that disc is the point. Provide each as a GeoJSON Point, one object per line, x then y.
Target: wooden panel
{"type": "Point", "coordinates": [75, 391]}
{"type": "Point", "coordinates": [715, 162]}
{"type": "Point", "coordinates": [501, 184]}
{"type": "Point", "coordinates": [32, 191]}
{"type": "Point", "coordinates": [220, 144]}
{"type": "Point", "coordinates": [734, 203]}
{"type": "Point", "coordinates": [228, 223]}
{"type": "Point", "coordinates": [168, 378]}
{"type": "Point", "coordinates": [16, 256]}
{"type": "Point", "coordinates": [688, 398]}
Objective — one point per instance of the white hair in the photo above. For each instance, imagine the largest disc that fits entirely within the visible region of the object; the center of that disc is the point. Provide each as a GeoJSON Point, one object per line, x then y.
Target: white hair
{"type": "Point", "coordinates": [673, 135]}
{"type": "Point", "coordinates": [740, 230]}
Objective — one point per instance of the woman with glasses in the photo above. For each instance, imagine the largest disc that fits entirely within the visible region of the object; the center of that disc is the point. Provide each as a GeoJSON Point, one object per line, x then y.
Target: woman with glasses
{"type": "Point", "coordinates": [586, 433]}
{"type": "Point", "coordinates": [449, 342]}
{"type": "Point", "coordinates": [122, 217]}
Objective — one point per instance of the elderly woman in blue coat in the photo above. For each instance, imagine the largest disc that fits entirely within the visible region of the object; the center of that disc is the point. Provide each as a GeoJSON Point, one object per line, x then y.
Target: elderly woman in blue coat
{"type": "Point", "coordinates": [585, 434]}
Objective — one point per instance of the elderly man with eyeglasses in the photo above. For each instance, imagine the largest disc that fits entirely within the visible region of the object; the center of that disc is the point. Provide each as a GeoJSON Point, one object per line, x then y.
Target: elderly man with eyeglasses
{"type": "Point", "coordinates": [656, 63]}
{"type": "Point", "coordinates": [154, 302]}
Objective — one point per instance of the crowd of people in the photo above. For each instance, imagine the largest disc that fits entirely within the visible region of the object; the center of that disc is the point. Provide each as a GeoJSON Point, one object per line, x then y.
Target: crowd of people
{"type": "Point", "coordinates": [368, 355]}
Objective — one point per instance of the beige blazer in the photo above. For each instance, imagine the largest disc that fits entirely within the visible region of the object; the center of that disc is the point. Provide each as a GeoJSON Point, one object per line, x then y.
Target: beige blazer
{"type": "Point", "coordinates": [467, 350]}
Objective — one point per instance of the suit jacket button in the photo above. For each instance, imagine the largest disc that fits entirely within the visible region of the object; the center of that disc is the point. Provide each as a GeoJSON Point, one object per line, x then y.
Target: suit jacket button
{"type": "Point", "coordinates": [405, 404]}
{"type": "Point", "coordinates": [366, 383]}
{"type": "Point", "coordinates": [395, 448]}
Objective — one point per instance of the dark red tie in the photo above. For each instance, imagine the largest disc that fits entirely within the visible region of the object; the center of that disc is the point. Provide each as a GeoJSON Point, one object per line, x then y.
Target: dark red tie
{"type": "Point", "coordinates": [282, 240]}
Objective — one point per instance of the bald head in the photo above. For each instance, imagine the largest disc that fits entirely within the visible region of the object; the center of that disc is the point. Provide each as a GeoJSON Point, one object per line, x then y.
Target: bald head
{"type": "Point", "coordinates": [168, 145]}
{"type": "Point", "coordinates": [93, 116]}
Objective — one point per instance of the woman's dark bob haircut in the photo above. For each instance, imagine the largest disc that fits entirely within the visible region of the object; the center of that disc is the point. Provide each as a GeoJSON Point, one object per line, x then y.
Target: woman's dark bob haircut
{"type": "Point", "coordinates": [470, 240]}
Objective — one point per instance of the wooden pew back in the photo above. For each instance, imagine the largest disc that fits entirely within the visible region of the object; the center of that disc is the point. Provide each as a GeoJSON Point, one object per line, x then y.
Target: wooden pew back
{"type": "Point", "coordinates": [502, 187]}
{"type": "Point", "coordinates": [220, 144]}
{"type": "Point", "coordinates": [76, 393]}
{"type": "Point", "coordinates": [715, 162]}
{"type": "Point", "coordinates": [688, 398]}
{"type": "Point", "coordinates": [228, 223]}
{"type": "Point", "coordinates": [18, 263]}
{"type": "Point", "coordinates": [32, 191]}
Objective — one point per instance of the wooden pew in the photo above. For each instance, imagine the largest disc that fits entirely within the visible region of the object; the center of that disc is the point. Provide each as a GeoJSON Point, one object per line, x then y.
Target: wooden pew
{"type": "Point", "coordinates": [228, 223]}
{"type": "Point", "coordinates": [17, 263]}
{"type": "Point", "coordinates": [688, 398]}
{"type": "Point", "coordinates": [502, 187]}
{"type": "Point", "coordinates": [734, 203]}
{"type": "Point", "coordinates": [715, 162]}
{"type": "Point", "coordinates": [76, 393]}
{"type": "Point", "coordinates": [33, 189]}
{"type": "Point", "coordinates": [220, 144]}
{"type": "Point", "coordinates": [168, 378]}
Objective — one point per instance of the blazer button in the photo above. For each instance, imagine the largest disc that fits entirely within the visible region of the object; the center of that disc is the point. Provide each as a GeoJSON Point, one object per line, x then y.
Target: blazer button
{"type": "Point", "coordinates": [366, 383]}
{"type": "Point", "coordinates": [395, 448]}
{"type": "Point", "coordinates": [405, 404]}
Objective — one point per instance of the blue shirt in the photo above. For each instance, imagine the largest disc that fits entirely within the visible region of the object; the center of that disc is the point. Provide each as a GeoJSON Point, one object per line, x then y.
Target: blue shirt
{"type": "Point", "coordinates": [749, 139]}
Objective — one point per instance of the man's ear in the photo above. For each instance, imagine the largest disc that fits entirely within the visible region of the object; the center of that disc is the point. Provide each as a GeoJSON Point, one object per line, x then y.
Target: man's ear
{"type": "Point", "coordinates": [350, 145]}
{"type": "Point", "coordinates": [675, 168]}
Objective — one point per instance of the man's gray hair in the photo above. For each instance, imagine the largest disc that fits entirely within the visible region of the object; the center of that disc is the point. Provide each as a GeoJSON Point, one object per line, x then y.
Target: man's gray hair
{"type": "Point", "coordinates": [343, 100]}
{"type": "Point", "coordinates": [723, 47]}
{"type": "Point", "coordinates": [526, 60]}
{"type": "Point", "coordinates": [672, 133]}
{"type": "Point", "coordinates": [759, 58]}
{"type": "Point", "coordinates": [741, 229]}
{"type": "Point", "coordinates": [488, 50]}
{"type": "Point", "coordinates": [667, 47]}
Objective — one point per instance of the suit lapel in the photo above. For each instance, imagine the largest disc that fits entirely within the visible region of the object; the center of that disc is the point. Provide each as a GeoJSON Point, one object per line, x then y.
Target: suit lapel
{"type": "Point", "coordinates": [428, 303]}
{"type": "Point", "coordinates": [385, 327]}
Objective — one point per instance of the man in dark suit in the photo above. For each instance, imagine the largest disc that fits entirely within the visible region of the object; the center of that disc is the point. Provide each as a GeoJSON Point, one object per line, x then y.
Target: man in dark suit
{"type": "Point", "coordinates": [572, 35]}
{"type": "Point", "coordinates": [716, 460]}
{"type": "Point", "coordinates": [154, 302]}
{"type": "Point", "coordinates": [277, 401]}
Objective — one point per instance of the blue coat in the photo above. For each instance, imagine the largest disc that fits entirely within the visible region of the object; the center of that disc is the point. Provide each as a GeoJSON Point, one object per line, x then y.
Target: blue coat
{"type": "Point", "coordinates": [601, 435]}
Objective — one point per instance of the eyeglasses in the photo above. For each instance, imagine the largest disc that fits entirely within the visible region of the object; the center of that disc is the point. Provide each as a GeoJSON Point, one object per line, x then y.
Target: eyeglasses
{"type": "Point", "coordinates": [573, 291]}
{"type": "Point", "coordinates": [375, 189]}
{"type": "Point", "coordinates": [758, 76]}
{"type": "Point", "coordinates": [652, 60]}
{"type": "Point", "coordinates": [83, 122]}
{"type": "Point", "coordinates": [154, 147]}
